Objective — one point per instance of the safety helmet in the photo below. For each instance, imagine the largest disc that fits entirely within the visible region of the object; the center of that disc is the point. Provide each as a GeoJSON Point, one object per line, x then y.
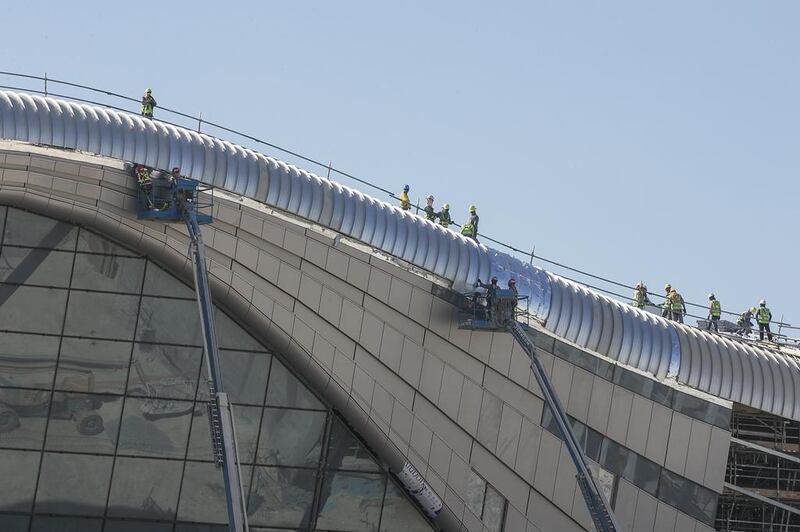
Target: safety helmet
{"type": "Point", "coordinates": [446, 206]}
{"type": "Point", "coordinates": [762, 303]}
{"type": "Point", "coordinates": [405, 188]}
{"type": "Point", "coordinates": [148, 91]}
{"type": "Point", "coordinates": [668, 287]}
{"type": "Point", "coordinates": [638, 285]}
{"type": "Point", "coordinates": [429, 197]}
{"type": "Point", "coordinates": [472, 208]}
{"type": "Point", "coordinates": [176, 169]}
{"type": "Point", "coordinates": [711, 296]}
{"type": "Point", "coordinates": [494, 280]}
{"type": "Point", "coordinates": [512, 281]}
{"type": "Point", "coordinates": [753, 310]}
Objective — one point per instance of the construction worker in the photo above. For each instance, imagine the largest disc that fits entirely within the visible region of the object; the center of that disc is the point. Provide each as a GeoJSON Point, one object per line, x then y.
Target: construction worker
{"type": "Point", "coordinates": [640, 298]}
{"type": "Point", "coordinates": [470, 229]}
{"type": "Point", "coordinates": [491, 292]}
{"type": "Point", "coordinates": [763, 317]}
{"type": "Point", "coordinates": [678, 306]}
{"type": "Point", "coordinates": [444, 216]}
{"type": "Point", "coordinates": [667, 307]}
{"type": "Point", "coordinates": [148, 104]}
{"type": "Point", "coordinates": [145, 181]}
{"type": "Point", "coordinates": [430, 214]}
{"type": "Point", "coordinates": [744, 323]}
{"type": "Point", "coordinates": [405, 202]}
{"type": "Point", "coordinates": [714, 313]}
{"type": "Point", "coordinates": [512, 286]}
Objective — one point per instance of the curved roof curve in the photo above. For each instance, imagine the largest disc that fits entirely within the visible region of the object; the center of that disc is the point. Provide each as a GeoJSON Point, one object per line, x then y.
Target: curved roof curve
{"type": "Point", "coordinates": [756, 377]}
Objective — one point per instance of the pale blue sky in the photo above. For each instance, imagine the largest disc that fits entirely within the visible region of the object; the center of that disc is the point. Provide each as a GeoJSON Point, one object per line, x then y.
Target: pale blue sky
{"type": "Point", "coordinates": [634, 140]}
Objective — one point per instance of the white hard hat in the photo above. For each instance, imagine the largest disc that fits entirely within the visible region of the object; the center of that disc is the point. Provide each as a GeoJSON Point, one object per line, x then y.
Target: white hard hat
{"type": "Point", "coordinates": [762, 302]}
{"type": "Point", "coordinates": [711, 296]}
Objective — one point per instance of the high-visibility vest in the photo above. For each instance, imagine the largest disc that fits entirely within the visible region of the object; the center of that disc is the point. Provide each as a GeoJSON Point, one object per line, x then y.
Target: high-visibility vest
{"type": "Point", "coordinates": [716, 309]}
{"type": "Point", "coordinates": [143, 176]}
{"type": "Point", "coordinates": [444, 218]}
{"type": "Point", "coordinates": [147, 106]}
{"type": "Point", "coordinates": [763, 315]}
{"type": "Point", "coordinates": [677, 301]}
{"type": "Point", "coordinates": [405, 202]}
{"type": "Point", "coordinates": [430, 214]}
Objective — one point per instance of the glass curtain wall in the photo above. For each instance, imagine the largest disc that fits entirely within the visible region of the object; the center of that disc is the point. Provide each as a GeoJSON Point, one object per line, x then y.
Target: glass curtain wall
{"type": "Point", "coordinates": [103, 424]}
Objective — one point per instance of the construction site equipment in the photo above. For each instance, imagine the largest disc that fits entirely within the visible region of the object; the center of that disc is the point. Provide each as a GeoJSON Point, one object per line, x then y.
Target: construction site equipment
{"type": "Point", "coordinates": [498, 313]}
{"type": "Point", "coordinates": [180, 200]}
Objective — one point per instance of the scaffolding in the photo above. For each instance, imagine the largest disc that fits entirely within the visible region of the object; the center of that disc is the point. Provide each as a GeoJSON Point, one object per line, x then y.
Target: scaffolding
{"type": "Point", "coordinates": [762, 480]}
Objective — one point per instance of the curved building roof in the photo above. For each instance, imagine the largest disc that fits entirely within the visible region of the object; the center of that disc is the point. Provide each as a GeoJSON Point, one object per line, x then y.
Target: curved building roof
{"type": "Point", "coordinates": [756, 377]}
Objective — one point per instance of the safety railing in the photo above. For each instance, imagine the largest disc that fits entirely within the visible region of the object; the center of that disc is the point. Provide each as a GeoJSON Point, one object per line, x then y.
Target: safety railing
{"type": "Point", "coordinates": [43, 85]}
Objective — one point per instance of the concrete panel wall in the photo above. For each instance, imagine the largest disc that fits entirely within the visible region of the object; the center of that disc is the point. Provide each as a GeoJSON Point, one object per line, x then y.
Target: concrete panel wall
{"type": "Point", "coordinates": [371, 337]}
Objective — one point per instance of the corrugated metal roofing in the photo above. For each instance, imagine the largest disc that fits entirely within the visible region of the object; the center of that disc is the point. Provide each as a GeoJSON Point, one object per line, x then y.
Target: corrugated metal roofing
{"type": "Point", "coordinates": [734, 371]}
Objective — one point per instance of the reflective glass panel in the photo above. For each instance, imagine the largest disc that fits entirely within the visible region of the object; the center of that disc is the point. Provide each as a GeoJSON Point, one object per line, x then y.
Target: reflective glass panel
{"type": "Point", "coordinates": [92, 243]}
{"type": "Point", "coordinates": [101, 315]}
{"type": "Point", "coordinates": [14, 523]}
{"type": "Point", "coordinates": [246, 420]}
{"type": "Point", "coordinates": [688, 497]}
{"type": "Point", "coordinates": [27, 360]}
{"type": "Point", "coordinates": [165, 371]}
{"type": "Point", "coordinates": [28, 229]}
{"type": "Point", "coordinates": [32, 309]}
{"type": "Point", "coordinates": [108, 273]}
{"type": "Point", "coordinates": [494, 510]}
{"type": "Point", "coordinates": [35, 266]}
{"type": "Point", "coordinates": [157, 282]}
{"type": "Point", "coordinates": [351, 501]}
{"type": "Point", "coordinates": [244, 376]}
{"type": "Point", "coordinates": [291, 437]}
{"type": "Point", "coordinates": [144, 487]}
{"type": "Point", "coordinates": [475, 492]}
{"type": "Point", "coordinates": [232, 336]}
{"type": "Point", "coordinates": [83, 422]}
{"type": "Point", "coordinates": [286, 390]}
{"type": "Point", "coordinates": [18, 479]}
{"type": "Point", "coordinates": [97, 366]}
{"type": "Point", "coordinates": [399, 514]}
{"type": "Point", "coordinates": [73, 484]}
{"type": "Point", "coordinates": [194, 527]}
{"type": "Point", "coordinates": [203, 494]}
{"type": "Point", "coordinates": [281, 496]}
{"type": "Point", "coordinates": [23, 416]}
{"type": "Point", "coordinates": [2, 221]}
{"type": "Point", "coordinates": [65, 524]}
{"type": "Point", "coordinates": [346, 452]}
{"type": "Point", "coordinates": [155, 427]}
{"type": "Point", "coordinates": [172, 321]}
{"type": "Point", "coordinates": [136, 526]}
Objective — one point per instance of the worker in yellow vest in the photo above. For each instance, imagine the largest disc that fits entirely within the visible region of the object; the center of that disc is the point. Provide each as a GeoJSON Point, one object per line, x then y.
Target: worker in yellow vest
{"type": "Point", "coordinates": [444, 216]}
{"type": "Point", "coordinates": [405, 202]}
{"type": "Point", "coordinates": [763, 317]}
{"type": "Point", "coordinates": [470, 229]}
{"type": "Point", "coordinates": [148, 104]}
{"type": "Point", "coordinates": [714, 313]}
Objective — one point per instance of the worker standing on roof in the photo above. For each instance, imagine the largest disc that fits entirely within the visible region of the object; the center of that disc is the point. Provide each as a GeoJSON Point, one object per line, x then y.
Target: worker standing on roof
{"type": "Point", "coordinates": [667, 307]}
{"type": "Point", "coordinates": [763, 317]}
{"type": "Point", "coordinates": [430, 214]}
{"type": "Point", "coordinates": [744, 323]}
{"type": "Point", "coordinates": [714, 313]}
{"type": "Point", "coordinates": [678, 306]}
{"type": "Point", "coordinates": [470, 229]}
{"type": "Point", "coordinates": [405, 202]}
{"type": "Point", "coordinates": [640, 298]}
{"type": "Point", "coordinates": [148, 104]}
{"type": "Point", "coordinates": [444, 216]}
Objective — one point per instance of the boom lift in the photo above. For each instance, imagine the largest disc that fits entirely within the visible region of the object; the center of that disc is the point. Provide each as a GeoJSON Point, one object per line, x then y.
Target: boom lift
{"type": "Point", "coordinates": [498, 314]}
{"type": "Point", "coordinates": [179, 200]}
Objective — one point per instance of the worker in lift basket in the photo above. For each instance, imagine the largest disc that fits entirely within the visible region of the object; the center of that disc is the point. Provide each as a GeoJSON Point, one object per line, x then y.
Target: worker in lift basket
{"type": "Point", "coordinates": [763, 317]}
{"type": "Point", "coordinates": [148, 104]}
{"type": "Point", "coordinates": [405, 202]}
{"type": "Point", "coordinates": [714, 313]}
{"type": "Point", "coordinates": [470, 228]}
{"type": "Point", "coordinates": [491, 293]}
{"type": "Point", "coordinates": [145, 184]}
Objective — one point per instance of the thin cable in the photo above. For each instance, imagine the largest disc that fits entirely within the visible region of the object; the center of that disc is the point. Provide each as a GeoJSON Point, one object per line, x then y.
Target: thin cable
{"type": "Point", "coordinates": [339, 172]}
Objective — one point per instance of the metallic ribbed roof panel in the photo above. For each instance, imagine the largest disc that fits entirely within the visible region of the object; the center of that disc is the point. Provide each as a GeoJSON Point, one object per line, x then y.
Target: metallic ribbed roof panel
{"type": "Point", "coordinates": [731, 370]}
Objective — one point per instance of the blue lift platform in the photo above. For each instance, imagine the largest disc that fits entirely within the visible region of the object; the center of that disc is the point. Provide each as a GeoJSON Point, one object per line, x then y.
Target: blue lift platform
{"type": "Point", "coordinates": [499, 313]}
{"type": "Point", "coordinates": [182, 200]}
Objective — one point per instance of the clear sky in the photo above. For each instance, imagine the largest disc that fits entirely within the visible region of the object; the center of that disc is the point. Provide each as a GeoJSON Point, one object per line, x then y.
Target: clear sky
{"type": "Point", "coordinates": [637, 140]}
